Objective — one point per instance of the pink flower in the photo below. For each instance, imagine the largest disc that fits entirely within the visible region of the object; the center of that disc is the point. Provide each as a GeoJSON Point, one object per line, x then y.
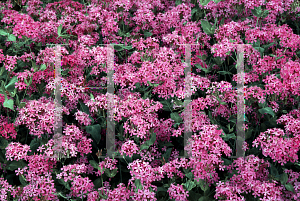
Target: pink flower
{"type": "Point", "coordinates": [82, 118]}
{"type": "Point", "coordinates": [16, 151]}
{"type": "Point", "coordinates": [177, 192]}
{"type": "Point", "coordinates": [129, 148]}
{"type": "Point", "coordinates": [10, 62]}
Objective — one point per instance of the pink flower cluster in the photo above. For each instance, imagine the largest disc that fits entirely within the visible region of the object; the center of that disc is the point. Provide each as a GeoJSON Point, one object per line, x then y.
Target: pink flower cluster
{"type": "Point", "coordinates": [82, 118]}
{"type": "Point", "coordinates": [170, 25]}
{"type": "Point", "coordinates": [107, 163]}
{"type": "Point", "coordinates": [178, 193]}
{"type": "Point", "coordinates": [72, 143]}
{"type": "Point", "coordinates": [7, 130]}
{"type": "Point", "coordinates": [205, 150]}
{"type": "Point", "coordinates": [17, 151]}
{"type": "Point", "coordinates": [10, 62]}
{"type": "Point", "coordinates": [129, 148]}
{"type": "Point", "coordinates": [251, 177]}
{"type": "Point", "coordinates": [38, 116]}
{"type": "Point", "coordinates": [277, 144]}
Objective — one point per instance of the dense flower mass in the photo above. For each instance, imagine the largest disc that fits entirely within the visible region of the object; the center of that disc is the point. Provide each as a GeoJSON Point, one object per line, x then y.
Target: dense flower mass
{"type": "Point", "coordinates": [196, 100]}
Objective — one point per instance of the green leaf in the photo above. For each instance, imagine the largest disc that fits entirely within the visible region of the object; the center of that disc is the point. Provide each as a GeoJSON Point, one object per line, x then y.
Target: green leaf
{"type": "Point", "coordinates": [97, 183]}
{"type": "Point", "coordinates": [10, 178]}
{"type": "Point", "coordinates": [168, 144]}
{"type": "Point", "coordinates": [128, 47]}
{"type": "Point", "coordinates": [167, 106]}
{"type": "Point", "coordinates": [65, 184]}
{"type": "Point", "coordinates": [189, 175]}
{"type": "Point", "coordinates": [226, 161]}
{"type": "Point", "coordinates": [260, 49]}
{"type": "Point", "coordinates": [144, 146]}
{"type": "Point", "coordinates": [120, 9]}
{"type": "Point", "coordinates": [203, 57]}
{"type": "Point", "coordinates": [204, 69]}
{"type": "Point", "coordinates": [43, 67]}
{"type": "Point", "coordinates": [279, 58]}
{"type": "Point", "coordinates": [193, 196]}
{"type": "Point", "coordinates": [138, 184]}
{"type": "Point", "coordinates": [289, 187]}
{"type": "Point", "coordinates": [222, 21]}
{"type": "Point", "coordinates": [94, 130]}
{"type": "Point", "coordinates": [65, 72]}
{"type": "Point", "coordinates": [92, 97]}
{"type": "Point", "coordinates": [59, 30]}
{"type": "Point", "coordinates": [2, 156]}
{"type": "Point", "coordinates": [2, 70]}
{"type": "Point", "coordinates": [266, 46]}
{"type": "Point", "coordinates": [273, 170]}
{"type": "Point", "coordinates": [11, 85]}
{"type": "Point", "coordinates": [13, 165]}
{"type": "Point", "coordinates": [204, 2]}
{"type": "Point", "coordinates": [3, 33]}
{"type": "Point", "coordinates": [257, 11]}
{"type": "Point", "coordinates": [148, 34]}
{"type": "Point", "coordinates": [248, 134]}
{"type": "Point", "coordinates": [148, 143]}
{"type": "Point", "coordinates": [257, 43]}
{"type": "Point", "coordinates": [226, 137]}
{"type": "Point", "coordinates": [161, 189]}
{"type": "Point", "coordinates": [202, 184]}
{"type": "Point", "coordinates": [11, 37]}
{"type": "Point", "coordinates": [178, 102]}
{"type": "Point", "coordinates": [255, 151]}
{"type": "Point", "coordinates": [207, 27]}
{"type": "Point", "coordinates": [146, 94]}
{"type": "Point", "coordinates": [3, 143]}
{"type": "Point", "coordinates": [265, 14]}
{"type": "Point", "coordinates": [204, 198]}
{"type": "Point", "coordinates": [9, 104]}
{"type": "Point", "coordinates": [218, 60]}
{"type": "Point", "coordinates": [152, 139]}
{"type": "Point", "coordinates": [111, 173]}
{"type": "Point", "coordinates": [283, 178]}
{"type": "Point", "coordinates": [34, 144]}
{"type": "Point", "coordinates": [267, 110]}
{"type": "Point", "coordinates": [178, 2]}
{"type": "Point", "coordinates": [224, 72]}
{"type": "Point", "coordinates": [23, 180]}
{"type": "Point", "coordinates": [217, 1]}
{"type": "Point", "coordinates": [232, 119]}
{"type": "Point", "coordinates": [22, 104]}
{"type": "Point", "coordinates": [189, 185]}
{"type": "Point", "coordinates": [229, 129]}
{"type": "Point", "coordinates": [262, 105]}
{"type": "Point", "coordinates": [118, 47]}
{"type": "Point", "coordinates": [175, 116]}
{"type": "Point", "coordinates": [84, 108]}
{"type": "Point", "coordinates": [167, 155]}
{"type": "Point", "coordinates": [120, 32]}
{"type": "Point", "coordinates": [95, 164]}
{"type": "Point", "coordinates": [152, 85]}
{"type": "Point", "coordinates": [194, 10]}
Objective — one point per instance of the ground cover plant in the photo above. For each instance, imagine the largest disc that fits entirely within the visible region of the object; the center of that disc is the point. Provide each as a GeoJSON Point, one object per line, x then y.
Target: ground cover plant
{"type": "Point", "coordinates": [149, 100]}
